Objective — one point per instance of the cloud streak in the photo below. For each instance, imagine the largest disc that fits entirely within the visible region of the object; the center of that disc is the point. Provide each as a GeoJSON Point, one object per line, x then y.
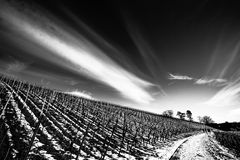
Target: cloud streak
{"type": "Point", "coordinates": [16, 67]}
{"type": "Point", "coordinates": [200, 81]}
{"type": "Point", "coordinates": [215, 82]}
{"type": "Point", "coordinates": [178, 77]}
{"type": "Point", "coordinates": [227, 96]}
{"type": "Point", "coordinates": [83, 94]}
{"type": "Point", "coordinates": [77, 54]}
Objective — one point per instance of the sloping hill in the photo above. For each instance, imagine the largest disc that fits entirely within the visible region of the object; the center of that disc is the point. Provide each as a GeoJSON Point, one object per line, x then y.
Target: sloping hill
{"type": "Point", "coordinates": [39, 123]}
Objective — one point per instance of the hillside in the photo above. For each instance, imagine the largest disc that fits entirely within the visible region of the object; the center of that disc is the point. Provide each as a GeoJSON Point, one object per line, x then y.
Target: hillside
{"type": "Point", "coordinates": [39, 123]}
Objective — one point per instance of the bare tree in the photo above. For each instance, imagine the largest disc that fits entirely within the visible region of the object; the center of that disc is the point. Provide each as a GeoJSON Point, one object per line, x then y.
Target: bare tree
{"type": "Point", "coordinates": [205, 120]}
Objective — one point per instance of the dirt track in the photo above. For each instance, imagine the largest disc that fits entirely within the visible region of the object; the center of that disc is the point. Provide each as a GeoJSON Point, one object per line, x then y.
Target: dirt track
{"type": "Point", "coordinates": [201, 147]}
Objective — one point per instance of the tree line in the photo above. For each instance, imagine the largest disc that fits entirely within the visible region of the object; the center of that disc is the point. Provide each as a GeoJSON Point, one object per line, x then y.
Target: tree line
{"type": "Point", "coordinates": [188, 115]}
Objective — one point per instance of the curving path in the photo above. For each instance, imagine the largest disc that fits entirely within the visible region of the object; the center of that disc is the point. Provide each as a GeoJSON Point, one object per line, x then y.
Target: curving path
{"type": "Point", "coordinates": [201, 147]}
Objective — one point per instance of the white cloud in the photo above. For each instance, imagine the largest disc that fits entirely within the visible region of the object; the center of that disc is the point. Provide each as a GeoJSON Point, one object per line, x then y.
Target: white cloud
{"type": "Point", "coordinates": [16, 66]}
{"type": "Point", "coordinates": [83, 94]}
{"type": "Point", "coordinates": [211, 81]}
{"type": "Point", "coordinates": [178, 77]}
{"type": "Point", "coordinates": [200, 81]}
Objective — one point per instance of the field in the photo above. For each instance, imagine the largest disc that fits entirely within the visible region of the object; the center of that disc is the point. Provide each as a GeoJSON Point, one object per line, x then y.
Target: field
{"type": "Point", "coordinates": [39, 123]}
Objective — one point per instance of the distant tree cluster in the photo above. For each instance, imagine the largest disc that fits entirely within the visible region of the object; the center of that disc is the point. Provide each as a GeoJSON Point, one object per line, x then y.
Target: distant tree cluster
{"type": "Point", "coordinates": [188, 115]}
{"type": "Point", "coordinates": [169, 113]}
{"type": "Point", "coordinates": [181, 115]}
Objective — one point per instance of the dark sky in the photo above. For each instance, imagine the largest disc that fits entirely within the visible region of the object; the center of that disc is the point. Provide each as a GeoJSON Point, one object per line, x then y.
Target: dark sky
{"type": "Point", "coordinates": [151, 55]}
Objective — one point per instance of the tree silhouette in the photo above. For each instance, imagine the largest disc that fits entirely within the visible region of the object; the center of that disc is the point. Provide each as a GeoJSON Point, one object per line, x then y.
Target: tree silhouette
{"type": "Point", "coordinates": [206, 120]}
{"type": "Point", "coordinates": [168, 113]}
{"type": "Point", "coordinates": [189, 115]}
{"type": "Point", "coordinates": [181, 115]}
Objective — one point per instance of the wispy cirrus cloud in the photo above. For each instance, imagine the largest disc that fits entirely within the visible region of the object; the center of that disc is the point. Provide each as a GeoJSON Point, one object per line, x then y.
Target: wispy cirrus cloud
{"type": "Point", "coordinates": [217, 82]}
{"type": "Point", "coordinates": [59, 44]}
{"type": "Point", "coordinates": [200, 81]}
{"type": "Point", "coordinates": [178, 77]}
{"type": "Point", "coordinates": [16, 66]}
{"type": "Point", "coordinates": [228, 95]}
{"type": "Point", "coordinates": [227, 100]}
{"type": "Point", "coordinates": [83, 94]}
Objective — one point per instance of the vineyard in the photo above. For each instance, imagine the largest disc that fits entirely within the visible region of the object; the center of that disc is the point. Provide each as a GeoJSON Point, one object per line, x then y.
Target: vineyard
{"type": "Point", "coordinates": [39, 123]}
{"type": "Point", "coordinates": [231, 140]}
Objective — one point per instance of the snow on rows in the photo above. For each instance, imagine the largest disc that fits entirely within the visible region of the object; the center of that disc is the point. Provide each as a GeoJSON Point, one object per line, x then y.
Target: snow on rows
{"type": "Point", "coordinates": [41, 127]}
{"type": "Point", "coordinates": [66, 118]}
{"type": "Point", "coordinates": [62, 124]}
{"type": "Point", "coordinates": [71, 121]}
{"type": "Point", "coordinates": [50, 138]}
{"type": "Point", "coordinates": [54, 127]}
{"type": "Point", "coordinates": [93, 150]}
{"type": "Point", "coordinates": [19, 118]}
{"type": "Point", "coordinates": [46, 155]}
{"type": "Point", "coordinates": [13, 152]}
{"type": "Point", "coordinates": [62, 128]}
{"type": "Point", "coordinates": [62, 118]}
{"type": "Point", "coordinates": [26, 125]}
{"type": "Point", "coordinates": [22, 120]}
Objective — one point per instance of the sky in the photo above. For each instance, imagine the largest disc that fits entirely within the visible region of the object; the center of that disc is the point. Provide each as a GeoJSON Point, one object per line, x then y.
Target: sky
{"type": "Point", "coordinates": [150, 55]}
